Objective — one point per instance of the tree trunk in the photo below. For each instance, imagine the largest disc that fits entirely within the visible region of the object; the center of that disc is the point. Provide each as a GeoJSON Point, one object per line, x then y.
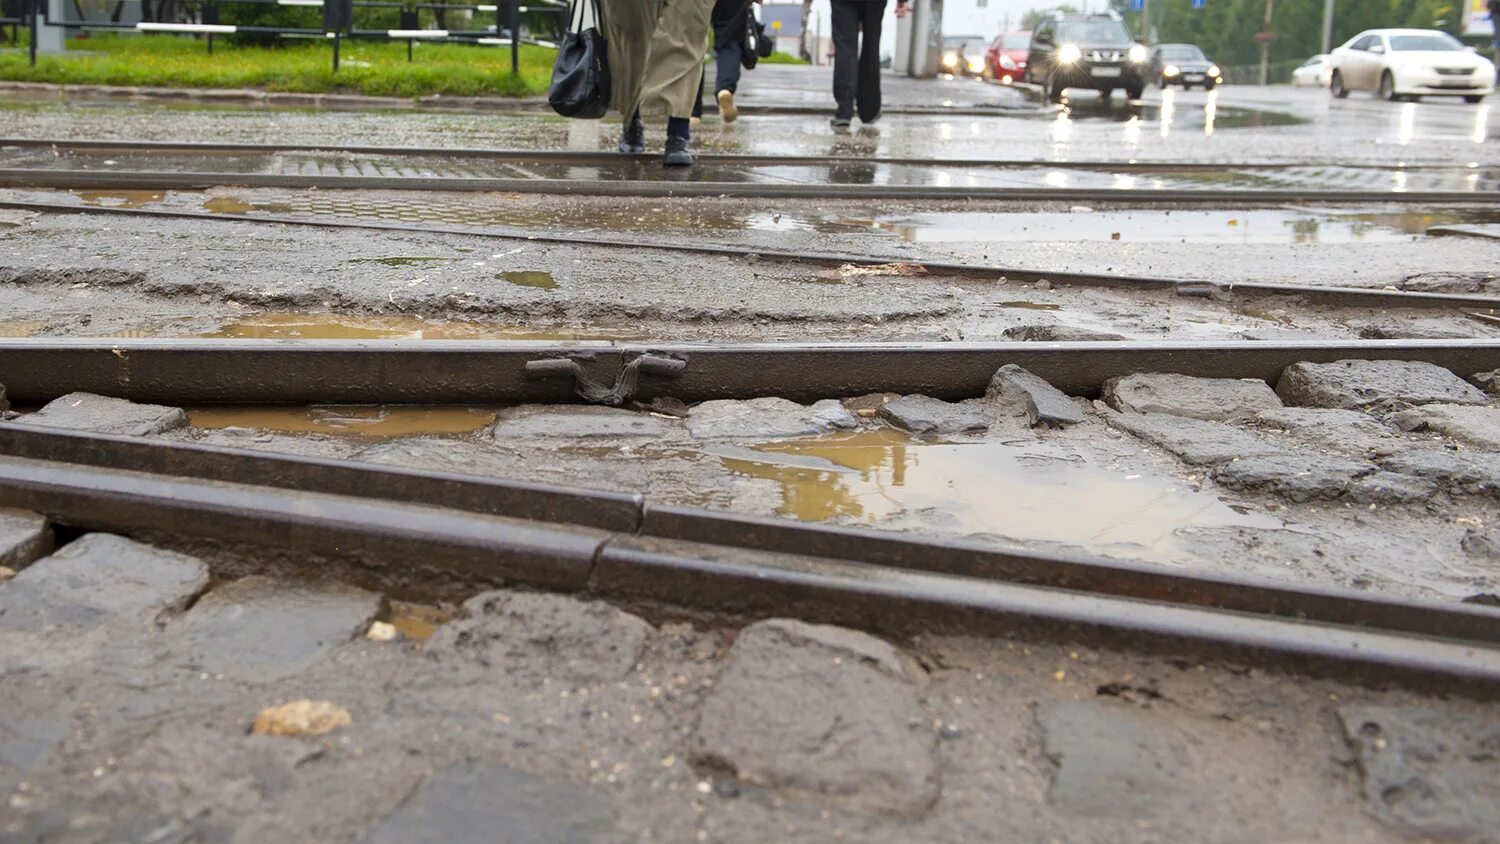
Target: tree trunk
{"type": "Point", "coordinates": [805, 48]}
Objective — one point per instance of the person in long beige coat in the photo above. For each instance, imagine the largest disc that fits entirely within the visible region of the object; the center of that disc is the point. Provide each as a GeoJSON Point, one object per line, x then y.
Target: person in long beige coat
{"type": "Point", "coordinates": [656, 52]}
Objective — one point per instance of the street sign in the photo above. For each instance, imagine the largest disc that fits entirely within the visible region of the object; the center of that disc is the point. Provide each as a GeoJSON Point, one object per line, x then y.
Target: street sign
{"type": "Point", "coordinates": [1198, 4]}
{"type": "Point", "coordinates": [1265, 37]}
{"type": "Point", "coordinates": [1137, 5]}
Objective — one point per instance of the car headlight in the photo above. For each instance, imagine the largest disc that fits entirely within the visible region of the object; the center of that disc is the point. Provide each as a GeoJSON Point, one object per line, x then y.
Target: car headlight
{"type": "Point", "coordinates": [1171, 70]}
{"type": "Point", "coordinates": [1068, 54]}
{"type": "Point", "coordinates": [1137, 54]}
{"type": "Point", "coordinates": [976, 65]}
{"type": "Point", "coordinates": [1213, 70]}
{"type": "Point", "coordinates": [1007, 62]}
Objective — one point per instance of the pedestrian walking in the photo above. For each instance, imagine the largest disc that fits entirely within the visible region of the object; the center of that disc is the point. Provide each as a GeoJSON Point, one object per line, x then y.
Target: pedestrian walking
{"type": "Point", "coordinates": [656, 65]}
{"type": "Point", "coordinates": [856, 60]}
{"type": "Point", "coordinates": [732, 54]}
{"type": "Point", "coordinates": [1494, 6]}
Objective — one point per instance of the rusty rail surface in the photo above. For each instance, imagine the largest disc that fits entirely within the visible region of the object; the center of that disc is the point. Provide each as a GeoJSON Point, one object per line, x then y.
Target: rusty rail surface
{"type": "Point", "coordinates": [254, 371]}
{"type": "Point", "coordinates": [1318, 294]}
{"type": "Point", "coordinates": [628, 548]}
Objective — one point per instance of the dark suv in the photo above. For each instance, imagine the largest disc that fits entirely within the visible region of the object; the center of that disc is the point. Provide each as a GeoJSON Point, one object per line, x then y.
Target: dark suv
{"type": "Point", "coordinates": [1086, 51]}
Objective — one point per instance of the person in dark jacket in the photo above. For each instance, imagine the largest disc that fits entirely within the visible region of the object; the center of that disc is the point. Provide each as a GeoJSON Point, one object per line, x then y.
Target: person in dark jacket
{"type": "Point", "coordinates": [1494, 7]}
{"type": "Point", "coordinates": [856, 62]}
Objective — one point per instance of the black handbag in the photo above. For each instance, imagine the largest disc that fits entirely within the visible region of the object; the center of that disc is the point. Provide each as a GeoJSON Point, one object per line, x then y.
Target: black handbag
{"type": "Point", "coordinates": [765, 46]}
{"type": "Point", "coordinates": [757, 44]}
{"type": "Point", "coordinates": [580, 76]}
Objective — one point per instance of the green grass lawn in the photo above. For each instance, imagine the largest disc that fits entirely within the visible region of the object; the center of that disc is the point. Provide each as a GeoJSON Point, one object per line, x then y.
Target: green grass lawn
{"type": "Point", "coordinates": [374, 68]}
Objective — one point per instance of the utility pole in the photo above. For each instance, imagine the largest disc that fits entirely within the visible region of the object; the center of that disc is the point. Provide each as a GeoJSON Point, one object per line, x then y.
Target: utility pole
{"type": "Point", "coordinates": [1327, 25]}
{"type": "Point", "coordinates": [1146, 19]}
{"type": "Point", "coordinates": [1265, 47]}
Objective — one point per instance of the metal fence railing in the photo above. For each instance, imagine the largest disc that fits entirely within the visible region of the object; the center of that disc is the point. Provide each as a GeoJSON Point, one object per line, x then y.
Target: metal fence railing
{"type": "Point", "coordinates": [340, 19]}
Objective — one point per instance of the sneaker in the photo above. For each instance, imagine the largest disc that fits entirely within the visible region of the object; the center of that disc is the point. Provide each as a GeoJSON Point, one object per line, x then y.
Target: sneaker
{"type": "Point", "coordinates": [841, 122]}
{"type": "Point", "coordinates": [727, 109]}
{"type": "Point", "coordinates": [633, 137]}
{"type": "Point", "coordinates": [870, 121]}
{"type": "Point", "coordinates": [678, 154]}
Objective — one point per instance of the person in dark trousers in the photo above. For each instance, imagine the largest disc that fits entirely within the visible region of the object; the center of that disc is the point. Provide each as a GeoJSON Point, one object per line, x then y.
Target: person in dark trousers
{"type": "Point", "coordinates": [1494, 7]}
{"type": "Point", "coordinates": [856, 61]}
{"type": "Point", "coordinates": [730, 21]}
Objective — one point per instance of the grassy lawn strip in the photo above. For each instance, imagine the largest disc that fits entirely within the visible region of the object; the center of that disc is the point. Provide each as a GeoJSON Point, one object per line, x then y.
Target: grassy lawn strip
{"type": "Point", "coordinates": [373, 68]}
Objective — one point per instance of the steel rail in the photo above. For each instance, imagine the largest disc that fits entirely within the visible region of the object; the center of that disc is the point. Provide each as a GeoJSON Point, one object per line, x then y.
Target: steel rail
{"type": "Point", "coordinates": [254, 371]}
{"type": "Point", "coordinates": [667, 188]}
{"type": "Point", "coordinates": [603, 157]}
{"type": "Point", "coordinates": [625, 547]}
{"type": "Point", "coordinates": [1319, 294]}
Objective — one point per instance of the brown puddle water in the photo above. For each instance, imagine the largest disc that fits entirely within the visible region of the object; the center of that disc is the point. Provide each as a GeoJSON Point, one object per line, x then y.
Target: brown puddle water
{"type": "Point", "coordinates": [20, 329]}
{"type": "Point", "coordinates": [120, 198]}
{"type": "Point", "coordinates": [349, 420]}
{"type": "Point", "coordinates": [417, 622]}
{"type": "Point", "coordinates": [281, 326]}
{"type": "Point", "coordinates": [985, 488]}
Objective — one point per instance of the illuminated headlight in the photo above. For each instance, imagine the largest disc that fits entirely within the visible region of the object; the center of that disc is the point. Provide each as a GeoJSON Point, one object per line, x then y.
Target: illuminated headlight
{"type": "Point", "coordinates": [1213, 70]}
{"type": "Point", "coordinates": [1007, 62]}
{"type": "Point", "coordinates": [1068, 54]}
{"type": "Point", "coordinates": [950, 60]}
{"type": "Point", "coordinates": [1137, 54]}
{"type": "Point", "coordinates": [976, 65]}
{"type": "Point", "coordinates": [1171, 70]}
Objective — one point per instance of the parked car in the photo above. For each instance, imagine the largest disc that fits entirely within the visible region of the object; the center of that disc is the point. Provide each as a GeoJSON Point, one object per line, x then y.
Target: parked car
{"type": "Point", "coordinates": [1185, 65]}
{"type": "Point", "coordinates": [1005, 59]}
{"type": "Point", "coordinates": [1398, 63]}
{"type": "Point", "coordinates": [1086, 51]}
{"type": "Point", "coordinates": [963, 55]}
{"type": "Point", "coordinates": [1314, 72]}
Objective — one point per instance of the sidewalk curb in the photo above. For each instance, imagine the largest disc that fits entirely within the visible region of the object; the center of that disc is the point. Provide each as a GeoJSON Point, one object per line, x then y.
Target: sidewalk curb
{"type": "Point", "coordinates": [276, 99]}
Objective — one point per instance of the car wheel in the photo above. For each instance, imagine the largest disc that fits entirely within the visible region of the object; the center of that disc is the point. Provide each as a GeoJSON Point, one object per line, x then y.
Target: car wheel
{"type": "Point", "coordinates": [1136, 92]}
{"type": "Point", "coordinates": [1209, 86]}
{"type": "Point", "coordinates": [1161, 82]}
{"type": "Point", "coordinates": [1336, 85]}
{"type": "Point", "coordinates": [1388, 87]}
{"type": "Point", "coordinates": [1473, 98]}
{"type": "Point", "coordinates": [1055, 89]}
{"type": "Point", "coordinates": [1106, 93]}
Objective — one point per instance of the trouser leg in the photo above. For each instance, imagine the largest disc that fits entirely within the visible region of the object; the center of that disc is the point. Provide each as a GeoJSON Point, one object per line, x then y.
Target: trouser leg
{"type": "Point", "coordinates": [871, 16]}
{"type": "Point", "coordinates": [845, 20]}
{"type": "Point", "coordinates": [727, 75]}
{"type": "Point", "coordinates": [628, 25]}
{"type": "Point", "coordinates": [698, 101]}
{"type": "Point", "coordinates": [674, 59]}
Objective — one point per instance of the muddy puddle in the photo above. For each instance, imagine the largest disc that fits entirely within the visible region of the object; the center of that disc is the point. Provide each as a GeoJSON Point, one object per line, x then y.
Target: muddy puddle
{"type": "Point", "coordinates": [988, 488]}
{"type": "Point", "coordinates": [376, 421]}
{"type": "Point", "coordinates": [1227, 226]}
{"type": "Point", "coordinates": [295, 326]}
{"type": "Point", "coordinates": [416, 622]}
{"type": "Point", "coordinates": [1274, 225]}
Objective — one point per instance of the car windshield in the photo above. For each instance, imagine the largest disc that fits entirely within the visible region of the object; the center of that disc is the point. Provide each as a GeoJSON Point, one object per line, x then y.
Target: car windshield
{"type": "Point", "coordinates": [1016, 41]}
{"type": "Point", "coordinates": [1093, 32]}
{"type": "Point", "coordinates": [1182, 53]}
{"type": "Point", "coordinates": [1437, 42]}
{"type": "Point", "coordinates": [967, 43]}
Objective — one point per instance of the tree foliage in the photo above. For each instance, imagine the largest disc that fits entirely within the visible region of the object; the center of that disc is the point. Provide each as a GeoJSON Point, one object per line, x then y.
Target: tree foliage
{"type": "Point", "coordinates": [1034, 17]}
{"type": "Point", "coordinates": [1225, 28]}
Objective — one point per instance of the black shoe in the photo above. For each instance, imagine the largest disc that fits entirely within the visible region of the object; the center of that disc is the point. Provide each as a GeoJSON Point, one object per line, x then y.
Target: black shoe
{"type": "Point", "coordinates": [841, 122]}
{"type": "Point", "coordinates": [870, 121]}
{"type": "Point", "coordinates": [633, 137]}
{"type": "Point", "coordinates": [678, 154]}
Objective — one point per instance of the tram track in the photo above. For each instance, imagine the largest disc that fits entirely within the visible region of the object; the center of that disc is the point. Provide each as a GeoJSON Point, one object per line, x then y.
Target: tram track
{"type": "Point", "coordinates": [601, 157]}
{"type": "Point", "coordinates": [631, 549]}
{"type": "Point", "coordinates": [671, 187]}
{"type": "Point", "coordinates": [1319, 294]}
{"type": "Point", "coordinates": [249, 371]}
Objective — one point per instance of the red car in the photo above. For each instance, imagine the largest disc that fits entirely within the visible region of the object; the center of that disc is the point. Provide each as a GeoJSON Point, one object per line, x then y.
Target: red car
{"type": "Point", "coordinates": [1005, 60]}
